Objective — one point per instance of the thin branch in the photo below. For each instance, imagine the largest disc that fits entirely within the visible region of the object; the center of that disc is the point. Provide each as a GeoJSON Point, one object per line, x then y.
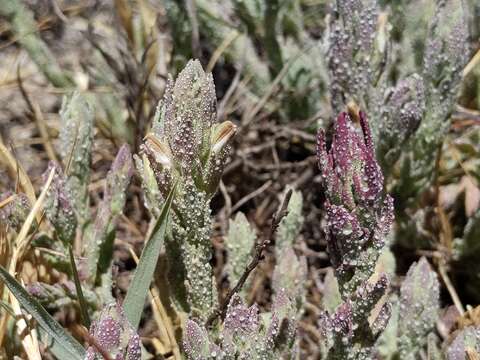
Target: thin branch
{"type": "Point", "coordinates": [257, 257]}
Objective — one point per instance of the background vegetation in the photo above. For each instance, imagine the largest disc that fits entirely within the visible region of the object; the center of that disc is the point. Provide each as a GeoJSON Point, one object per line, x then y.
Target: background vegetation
{"type": "Point", "coordinates": [80, 86]}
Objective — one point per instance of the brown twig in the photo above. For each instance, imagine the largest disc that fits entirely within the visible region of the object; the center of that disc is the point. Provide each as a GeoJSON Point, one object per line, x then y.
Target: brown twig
{"type": "Point", "coordinates": [257, 257]}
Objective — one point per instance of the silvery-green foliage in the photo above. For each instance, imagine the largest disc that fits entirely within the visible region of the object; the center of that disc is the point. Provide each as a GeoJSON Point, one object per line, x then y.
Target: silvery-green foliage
{"type": "Point", "coordinates": [291, 225]}
{"type": "Point", "coordinates": [359, 48]}
{"type": "Point", "coordinates": [467, 247]}
{"type": "Point", "coordinates": [353, 53]}
{"type": "Point", "coordinates": [99, 232]}
{"type": "Point", "coordinates": [410, 22]}
{"type": "Point", "coordinates": [151, 192]}
{"type": "Point", "coordinates": [240, 242]}
{"type": "Point", "coordinates": [289, 277]}
{"type": "Point", "coordinates": [23, 24]}
{"type": "Point", "coordinates": [359, 217]}
{"type": "Point", "coordinates": [446, 53]}
{"type": "Point", "coordinates": [114, 335]}
{"type": "Point", "coordinates": [67, 208]}
{"type": "Point", "coordinates": [433, 350]}
{"type": "Point", "coordinates": [288, 46]}
{"type": "Point", "coordinates": [100, 236]}
{"type": "Point", "coordinates": [387, 343]}
{"type": "Point", "coordinates": [75, 148]}
{"type": "Point", "coordinates": [331, 297]}
{"type": "Point", "coordinates": [290, 272]}
{"type": "Point", "coordinates": [400, 115]}
{"type": "Point", "coordinates": [59, 206]}
{"type": "Point", "coordinates": [245, 334]}
{"type": "Point", "coordinates": [465, 345]}
{"type": "Point", "coordinates": [68, 198]}
{"type": "Point", "coordinates": [419, 306]}
{"type": "Point", "coordinates": [187, 147]}
{"type": "Point", "coordinates": [214, 24]}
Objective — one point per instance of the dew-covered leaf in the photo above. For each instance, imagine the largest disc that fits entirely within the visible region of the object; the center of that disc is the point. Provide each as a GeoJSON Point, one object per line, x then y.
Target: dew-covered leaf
{"type": "Point", "coordinates": [137, 292]}
{"type": "Point", "coordinates": [66, 346]}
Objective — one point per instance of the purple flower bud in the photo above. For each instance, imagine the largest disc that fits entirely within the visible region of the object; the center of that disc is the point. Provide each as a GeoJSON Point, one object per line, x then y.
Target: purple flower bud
{"type": "Point", "coordinates": [197, 344]}
{"type": "Point", "coordinates": [342, 321]}
{"type": "Point", "coordinates": [59, 205]}
{"type": "Point", "coordinates": [14, 210]}
{"type": "Point", "coordinates": [114, 335]}
{"type": "Point", "coordinates": [37, 290]}
{"type": "Point", "coordinates": [118, 179]}
{"type": "Point", "coordinates": [466, 344]}
{"type": "Point", "coordinates": [358, 213]}
{"type": "Point", "coordinates": [241, 319]}
{"type": "Point", "coordinates": [382, 319]}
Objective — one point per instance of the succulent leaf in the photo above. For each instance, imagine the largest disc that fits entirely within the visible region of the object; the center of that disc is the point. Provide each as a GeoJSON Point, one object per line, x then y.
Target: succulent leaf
{"type": "Point", "coordinates": [76, 139]}
{"type": "Point", "coordinates": [59, 207]}
{"type": "Point", "coordinates": [240, 242]}
{"type": "Point", "coordinates": [419, 306]}
{"type": "Point", "coordinates": [291, 225]}
{"type": "Point", "coordinates": [100, 236]}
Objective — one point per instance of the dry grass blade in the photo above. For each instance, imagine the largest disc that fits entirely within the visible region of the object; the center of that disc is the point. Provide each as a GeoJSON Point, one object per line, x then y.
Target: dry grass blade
{"type": "Point", "coordinates": [250, 196]}
{"type": "Point", "coordinates": [451, 289]}
{"type": "Point", "coordinates": [42, 128]}
{"type": "Point", "coordinates": [14, 169]}
{"type": "Point", "coordinates": [472, 354]}
{"type": "Point", "coordinates": [39, 119]}
{"type": "Point", "coordinates": [250, 115]}
{"type": "Point", "coordinates": [471, 64]}
{"type": "Point", "coordinates": [30, 339]}
{"type": "Point", "coordinates": [125, 14]}
{"type": "Point", "coordinates": [229, 39]}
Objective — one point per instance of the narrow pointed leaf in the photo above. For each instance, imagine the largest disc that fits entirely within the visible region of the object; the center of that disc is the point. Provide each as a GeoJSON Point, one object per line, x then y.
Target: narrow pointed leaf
{"type": "Point", "coordinates": [66, 346]}
{"type": "Point", "coordinates": [78, 287]}
{"type": "Point", "coordinates": [135, 299]}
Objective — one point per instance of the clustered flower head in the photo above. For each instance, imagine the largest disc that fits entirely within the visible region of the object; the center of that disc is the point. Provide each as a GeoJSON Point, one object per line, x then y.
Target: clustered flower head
{"type": "Point", "coordinates": [113, 334]}
{"type": "Point", "coordinates": [359, 214]}
{"type": "Point", "coordinates": [59, 205]}
{"type": "Point", "coordinates": [185, 140]}
{"type": "Point", "coordinates": [359, 217]}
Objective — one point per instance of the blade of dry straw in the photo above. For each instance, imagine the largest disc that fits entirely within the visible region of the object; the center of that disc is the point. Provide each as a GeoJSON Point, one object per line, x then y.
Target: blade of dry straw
{"type": "Point", "coordinates": [15, 168]}
{"type": "Point", "coordinates": [30, 340]}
